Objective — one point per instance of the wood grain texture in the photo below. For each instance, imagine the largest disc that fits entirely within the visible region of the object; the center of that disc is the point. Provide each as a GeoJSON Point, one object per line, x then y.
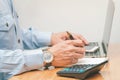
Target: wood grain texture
{"type": "Point", "coordinates": [110, 72]}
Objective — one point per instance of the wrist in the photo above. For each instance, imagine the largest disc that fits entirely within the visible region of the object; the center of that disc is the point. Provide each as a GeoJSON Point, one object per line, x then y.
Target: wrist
{"type": "Point", "coordinates": [48, 58]}
{"type": "Point", "coordinates": [52, 38]}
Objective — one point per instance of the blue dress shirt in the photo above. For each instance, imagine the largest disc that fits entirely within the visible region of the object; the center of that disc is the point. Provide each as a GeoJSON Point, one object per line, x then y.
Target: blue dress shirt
{"type": "Point", "coordinates": [19, 49]}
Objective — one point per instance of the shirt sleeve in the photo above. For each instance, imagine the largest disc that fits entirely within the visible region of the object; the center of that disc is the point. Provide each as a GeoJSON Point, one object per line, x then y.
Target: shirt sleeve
{"type": "Point", "coordinates": [18, 61]}
{"type": "Point", "coordinates": [33, 39]}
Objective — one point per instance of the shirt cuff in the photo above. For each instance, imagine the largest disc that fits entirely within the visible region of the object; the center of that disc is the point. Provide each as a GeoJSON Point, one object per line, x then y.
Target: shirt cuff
{"type": "Point", "coordinates": [33, 59]}
{"type": "Point", "coordinates": [45, 38]}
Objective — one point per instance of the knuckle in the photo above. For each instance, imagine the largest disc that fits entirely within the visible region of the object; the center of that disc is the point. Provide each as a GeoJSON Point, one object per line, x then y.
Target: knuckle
{"type": "Point", "coordinates": [79, 43]}
{"type": "Point", "coordinates": [69, 49]}
{"type": "Point", "coordinates": [81, 50]}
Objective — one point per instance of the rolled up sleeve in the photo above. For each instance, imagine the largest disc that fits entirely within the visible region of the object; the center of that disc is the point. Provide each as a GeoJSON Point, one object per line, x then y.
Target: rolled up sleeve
{"type": "Point", "coordinates": [33, 59]}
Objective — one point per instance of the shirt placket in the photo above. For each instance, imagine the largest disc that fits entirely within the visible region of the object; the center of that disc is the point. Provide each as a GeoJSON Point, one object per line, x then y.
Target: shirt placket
{"type": "Point", "coordinates": [17, 30]}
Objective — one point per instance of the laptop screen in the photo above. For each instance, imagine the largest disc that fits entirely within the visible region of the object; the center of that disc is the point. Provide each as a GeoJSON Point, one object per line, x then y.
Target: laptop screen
{"type": "Point", "coordinates": [108, 26]}
{"type": "Point", "coordinates": [103, 45]}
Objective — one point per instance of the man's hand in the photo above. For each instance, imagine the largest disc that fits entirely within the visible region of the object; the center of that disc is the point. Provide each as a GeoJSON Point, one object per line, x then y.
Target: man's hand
{"type": "Point", "coordinates": [62, 36]}
{"type": "Point", "coordinates": [67, 52]}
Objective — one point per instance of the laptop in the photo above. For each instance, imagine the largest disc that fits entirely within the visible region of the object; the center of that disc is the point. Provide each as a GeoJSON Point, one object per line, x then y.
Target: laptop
{"type": "Point", "coordinates": [95, 59]}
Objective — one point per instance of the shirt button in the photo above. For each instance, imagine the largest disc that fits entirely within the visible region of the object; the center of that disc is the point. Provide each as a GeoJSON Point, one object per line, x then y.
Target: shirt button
{"type": "Point", "coordinates": [18, 40]}
{"type": "Point", "coordinates": [7, 25]}
{"type": "Point", "coordinates": [17, 16]}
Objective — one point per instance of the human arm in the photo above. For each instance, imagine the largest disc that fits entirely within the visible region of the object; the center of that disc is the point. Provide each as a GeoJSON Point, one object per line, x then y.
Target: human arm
{"type": "Point", "coordinates": [33, 38]}
{"type": "Point", "coordinates": [17, 61]}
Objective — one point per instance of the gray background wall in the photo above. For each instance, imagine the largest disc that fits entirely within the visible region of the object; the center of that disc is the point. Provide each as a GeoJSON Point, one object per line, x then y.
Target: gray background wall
{"type": "Point", "coordinates": [86, 17]}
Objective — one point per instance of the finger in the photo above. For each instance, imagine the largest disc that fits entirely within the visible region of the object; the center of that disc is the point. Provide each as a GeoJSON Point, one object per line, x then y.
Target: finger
{"type": "Point", "coordinates": [77, 43]}
{"type": "Point", "coordinates": [83, 39]}
{"type": "Point", "coordinates": [78, 36]}
{"type": "Point", "coordinates": [80, 50]}
{"type": "Point", "coordinates": [73, 49]}
{"type": "Point", "coordinates": [76, 55]}
{"type": "Point", "coordinates": [75, 36]}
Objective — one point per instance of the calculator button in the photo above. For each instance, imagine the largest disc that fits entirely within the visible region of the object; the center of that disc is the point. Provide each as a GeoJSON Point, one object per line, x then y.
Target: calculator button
{"type": "Point", "coordinates": [81, 70]}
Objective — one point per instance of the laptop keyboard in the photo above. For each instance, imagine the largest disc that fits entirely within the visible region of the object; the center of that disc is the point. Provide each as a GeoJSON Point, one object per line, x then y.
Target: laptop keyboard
{"type": "Point", "coordinates": [92, 54]}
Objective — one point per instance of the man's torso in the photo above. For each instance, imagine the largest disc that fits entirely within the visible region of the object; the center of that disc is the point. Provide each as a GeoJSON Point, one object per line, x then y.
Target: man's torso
{"type": "Point", "coordinates": [10, 35]}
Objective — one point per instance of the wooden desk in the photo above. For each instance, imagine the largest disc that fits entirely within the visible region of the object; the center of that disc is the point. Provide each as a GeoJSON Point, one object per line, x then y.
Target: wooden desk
{"type": "Point", "coordinates": [110, 72]}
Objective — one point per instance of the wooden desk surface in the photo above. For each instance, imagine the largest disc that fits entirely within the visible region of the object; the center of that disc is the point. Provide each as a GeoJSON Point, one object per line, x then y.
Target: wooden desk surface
{"type": "Point", "coordinates": [110, 72]}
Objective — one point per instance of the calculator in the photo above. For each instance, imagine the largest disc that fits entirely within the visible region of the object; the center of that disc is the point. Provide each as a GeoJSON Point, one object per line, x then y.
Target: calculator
{"type": "Point", "coordinates": [81, 71]}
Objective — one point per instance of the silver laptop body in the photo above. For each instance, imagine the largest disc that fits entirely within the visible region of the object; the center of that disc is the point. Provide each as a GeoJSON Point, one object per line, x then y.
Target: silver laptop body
{"type": "Point", "coordinates": [103, 45]}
